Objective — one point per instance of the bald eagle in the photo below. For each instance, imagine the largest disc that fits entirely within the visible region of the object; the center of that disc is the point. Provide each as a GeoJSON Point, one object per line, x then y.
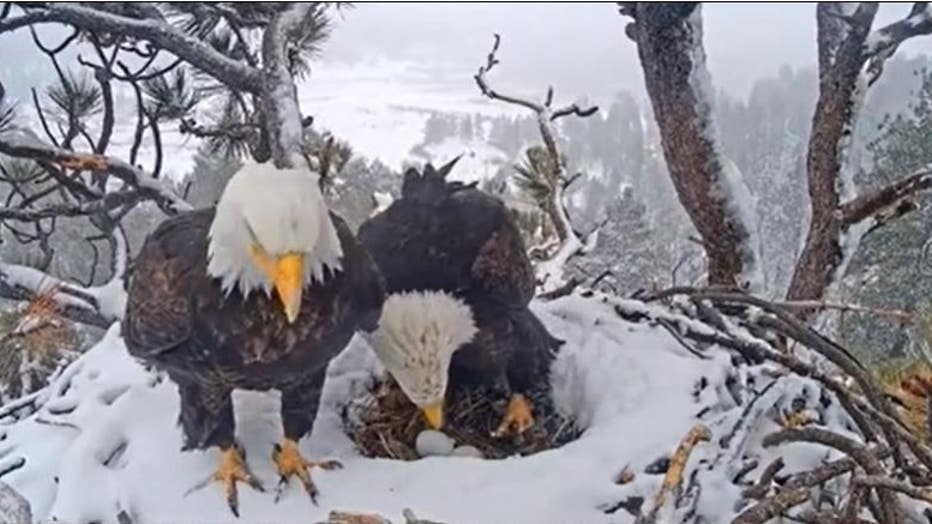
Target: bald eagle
{"type": "Point", "coordinates": [256, 293]}
{"type": "Point", "coordinates": [460, 283]}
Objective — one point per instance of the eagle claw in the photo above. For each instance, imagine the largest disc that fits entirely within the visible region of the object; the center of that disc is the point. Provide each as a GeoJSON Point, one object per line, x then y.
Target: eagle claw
{"type": "Point", "coordinates": [232, 469]}
{"type": "Point", "coordinates": [518, 417]}
{"type": "Point", "coordinates": [290, 463]}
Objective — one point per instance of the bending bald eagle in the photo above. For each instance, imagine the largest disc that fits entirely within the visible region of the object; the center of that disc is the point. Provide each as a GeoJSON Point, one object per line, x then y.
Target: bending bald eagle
{"type": "Point", "coordinates": [454, 260]}
{"type": "Point", "coordinates": [259, 292]}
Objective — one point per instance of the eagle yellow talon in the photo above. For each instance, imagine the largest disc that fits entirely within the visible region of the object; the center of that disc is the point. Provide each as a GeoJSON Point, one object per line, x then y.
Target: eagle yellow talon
{"type": "Point", "coordinates": [233, 469]}
{"type": "Point", "coordinates": [290, 463]}
{"type": "Point", "coordinates": [518, 417]}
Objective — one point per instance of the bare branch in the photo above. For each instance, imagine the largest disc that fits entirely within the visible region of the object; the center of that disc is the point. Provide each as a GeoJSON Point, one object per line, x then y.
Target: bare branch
{"type": "Point", "coordinates": [574, 110]}
{"type": "Point", "coordinates": [486, 90]}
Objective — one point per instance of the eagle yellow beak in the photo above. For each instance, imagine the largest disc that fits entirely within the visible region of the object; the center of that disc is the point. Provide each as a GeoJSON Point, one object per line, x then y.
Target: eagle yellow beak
{"type": "Point", "coordinates": [286, 274]}
{"type": "Point", "coordinates": [287, 280]}
{"type": "Point", "coordinates": [434, 415]}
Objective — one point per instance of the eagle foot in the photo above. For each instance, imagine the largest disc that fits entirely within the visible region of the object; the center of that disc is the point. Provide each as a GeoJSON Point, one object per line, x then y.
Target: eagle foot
{"type": "Point", "coordinates": [232, 469]}
{"type": "Point", "coordinates": [518, 417]}
{"type": "Point", "coordinates": [290, 463]}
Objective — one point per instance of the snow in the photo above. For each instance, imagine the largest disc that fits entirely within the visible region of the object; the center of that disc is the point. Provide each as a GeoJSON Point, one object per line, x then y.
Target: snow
{"type": "Point", "coordinates": [115, 436]}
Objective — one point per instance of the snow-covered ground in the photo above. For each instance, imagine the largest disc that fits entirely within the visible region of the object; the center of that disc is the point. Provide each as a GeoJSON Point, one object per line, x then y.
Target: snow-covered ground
{"type": "Point", "coordinates": [630, 384]}
{"type": "Point", "coordinates": [110, 443]}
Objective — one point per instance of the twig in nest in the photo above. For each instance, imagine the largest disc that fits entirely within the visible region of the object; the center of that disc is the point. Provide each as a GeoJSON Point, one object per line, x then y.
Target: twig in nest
{"type": "Point", "coordinates": [760, 489]}
{"type": "Point", "coordinates": [772, 507]}
{"type": "Point", "coordinates": [881, 482]}
{"type": "Point", "coordinates": [674, 476]}
{"type": "Point", "coordinates": [682, 340]}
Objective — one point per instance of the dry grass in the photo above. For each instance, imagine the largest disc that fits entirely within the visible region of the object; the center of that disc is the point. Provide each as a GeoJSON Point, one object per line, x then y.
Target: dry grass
{"type": "Point", "coordinates": [384, 423]}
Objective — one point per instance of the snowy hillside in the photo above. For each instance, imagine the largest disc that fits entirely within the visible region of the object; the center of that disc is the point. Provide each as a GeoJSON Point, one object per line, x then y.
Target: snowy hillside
{"type": "Point", "coordinates": [107, 441]}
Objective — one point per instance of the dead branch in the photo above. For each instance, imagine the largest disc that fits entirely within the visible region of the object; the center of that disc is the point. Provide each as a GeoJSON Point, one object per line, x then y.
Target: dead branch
{"type": "Point", "coordinates": [545, 114]}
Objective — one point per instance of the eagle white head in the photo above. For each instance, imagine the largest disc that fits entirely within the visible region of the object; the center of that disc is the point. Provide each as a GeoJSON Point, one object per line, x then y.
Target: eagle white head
{"type": "Point", "coordinates": [417, 335]}
{"type": "Point", "coordinates": [272, 229]}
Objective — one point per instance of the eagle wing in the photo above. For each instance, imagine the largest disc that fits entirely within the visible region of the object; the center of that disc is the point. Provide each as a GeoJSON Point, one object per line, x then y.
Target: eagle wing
{"type": "Point", "coordinates": [159, 311]}
{"type": "Point", "coordinates": [502, 268]}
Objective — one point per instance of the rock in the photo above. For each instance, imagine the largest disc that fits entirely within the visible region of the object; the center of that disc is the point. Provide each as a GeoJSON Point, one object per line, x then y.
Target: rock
{"type": "Point", "coordinates": [431, 443]}
{"type": "Point", "coordinates": [468, 451]}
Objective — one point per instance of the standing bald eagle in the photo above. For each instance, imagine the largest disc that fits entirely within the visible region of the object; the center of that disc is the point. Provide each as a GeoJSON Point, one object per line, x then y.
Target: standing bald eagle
{"type": "Point", "coordinates": [461, 281]}
{"type": "Point", "coordinates": [257, 293]}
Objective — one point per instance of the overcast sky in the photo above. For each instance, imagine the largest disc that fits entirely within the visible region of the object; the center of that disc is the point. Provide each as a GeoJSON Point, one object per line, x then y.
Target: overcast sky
{"type": "Point", "coordinates": [578, 46]}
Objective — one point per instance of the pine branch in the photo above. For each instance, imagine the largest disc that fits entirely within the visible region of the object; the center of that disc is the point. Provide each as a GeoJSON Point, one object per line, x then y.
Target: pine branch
{"type": "Point", "coordinates": [162, 34]}
{"type": "Point", "coordinates": [146, 184]}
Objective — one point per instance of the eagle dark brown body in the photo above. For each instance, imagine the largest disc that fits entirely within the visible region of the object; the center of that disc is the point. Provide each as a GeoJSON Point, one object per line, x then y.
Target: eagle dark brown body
{"type": "Point", "coordinates": [452, 237]}
{"type": "Point", "coordinates": [180, 320]}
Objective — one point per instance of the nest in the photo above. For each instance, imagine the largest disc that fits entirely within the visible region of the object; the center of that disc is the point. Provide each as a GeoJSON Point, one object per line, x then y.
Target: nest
{"type": "Point", "coordinates": [384, 423]}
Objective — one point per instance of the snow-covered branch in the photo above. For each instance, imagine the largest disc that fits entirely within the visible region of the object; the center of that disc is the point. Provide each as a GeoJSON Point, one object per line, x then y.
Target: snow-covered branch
{"type": "Point", "coordinates": [153, 28]}
{"type": "Point", "coordinates": [883, 43]}
{"type": "Point", "coordinates": [875, 202]}
{"type": "Point", "coordinates": [278, 96]}
{"type": "Point", "coordinates": [94, 305]}
{"type": "Point", "coordinates": [17, 144]}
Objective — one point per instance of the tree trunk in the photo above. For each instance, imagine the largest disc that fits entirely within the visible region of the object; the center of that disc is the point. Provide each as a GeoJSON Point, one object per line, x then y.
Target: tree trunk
{"type": "Point", "coordinates": [841, 85]}
{"type": "Point", "coordinates": [669, 41]}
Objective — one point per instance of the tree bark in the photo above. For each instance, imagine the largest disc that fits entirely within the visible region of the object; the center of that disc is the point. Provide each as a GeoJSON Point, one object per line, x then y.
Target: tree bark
{"type": "Point", "coordinates": [841, 61]}
{"type": "Point", "coordinates": [669, 42]}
